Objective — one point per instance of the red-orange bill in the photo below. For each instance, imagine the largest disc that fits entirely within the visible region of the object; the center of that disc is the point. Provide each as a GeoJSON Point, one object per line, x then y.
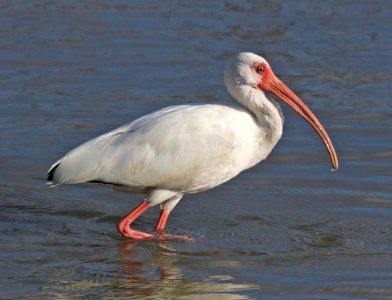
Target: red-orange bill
{"type": "Point", "coordinates": [276, 86]}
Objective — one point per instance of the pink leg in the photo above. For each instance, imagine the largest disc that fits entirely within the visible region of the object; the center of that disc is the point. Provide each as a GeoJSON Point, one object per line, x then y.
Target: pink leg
{"type": "Point", "coordinates": [162, 221]}
{"type": "Point", "coordinates": [124, 226]}
{"type": "Point", "coordinates": [160, 228]}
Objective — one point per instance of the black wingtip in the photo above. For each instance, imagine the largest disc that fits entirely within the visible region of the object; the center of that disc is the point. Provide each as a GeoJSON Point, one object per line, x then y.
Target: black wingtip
{"type": "Point", "coordinates": [51, 173]}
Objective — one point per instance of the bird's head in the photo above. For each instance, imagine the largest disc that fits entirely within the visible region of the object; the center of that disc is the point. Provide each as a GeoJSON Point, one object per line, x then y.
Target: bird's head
{"type": "Point", "coordinates": [247, 73]}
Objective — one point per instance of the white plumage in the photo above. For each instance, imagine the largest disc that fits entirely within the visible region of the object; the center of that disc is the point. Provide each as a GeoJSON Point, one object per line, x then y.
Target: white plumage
{"type": "Point", "coordinates": [185, 148]}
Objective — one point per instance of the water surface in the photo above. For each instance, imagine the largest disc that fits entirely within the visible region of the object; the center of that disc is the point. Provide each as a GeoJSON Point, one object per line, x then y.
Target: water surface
{"type": "Point", "coordinates": [288, 228]}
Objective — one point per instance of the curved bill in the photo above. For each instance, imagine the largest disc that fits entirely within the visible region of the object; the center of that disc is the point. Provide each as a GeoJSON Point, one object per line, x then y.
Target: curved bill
{"type": "Point", "coordinates": [276, 86]}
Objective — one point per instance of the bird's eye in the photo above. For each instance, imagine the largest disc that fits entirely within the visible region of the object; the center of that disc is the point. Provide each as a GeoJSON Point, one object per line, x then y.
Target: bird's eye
{"type": "Point", "coordinates": [260, 69]}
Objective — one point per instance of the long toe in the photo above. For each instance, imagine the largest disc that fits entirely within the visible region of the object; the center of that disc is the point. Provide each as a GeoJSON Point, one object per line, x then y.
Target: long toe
{"type": "Point", "coordinates": [165, 236]}
{"type": "Point", "coordinates": [134, 234]}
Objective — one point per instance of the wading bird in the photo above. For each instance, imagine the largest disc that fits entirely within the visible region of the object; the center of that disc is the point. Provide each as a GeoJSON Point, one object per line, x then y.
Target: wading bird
{"type": "Point", "coordinates": [189, 148]}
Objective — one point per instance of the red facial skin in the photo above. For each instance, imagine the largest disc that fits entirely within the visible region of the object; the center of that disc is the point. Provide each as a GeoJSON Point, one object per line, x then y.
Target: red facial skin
{"type": "Point", "coordinates": [265, 76]}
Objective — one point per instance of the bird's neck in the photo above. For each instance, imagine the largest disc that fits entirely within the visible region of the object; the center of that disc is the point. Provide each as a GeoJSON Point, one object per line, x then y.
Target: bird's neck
{"type": "Point", "coordinates": [266, 111]}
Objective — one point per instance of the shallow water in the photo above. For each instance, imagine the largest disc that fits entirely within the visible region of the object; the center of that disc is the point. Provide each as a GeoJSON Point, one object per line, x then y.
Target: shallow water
{"type": "Point", "coordinates": [288, 228]}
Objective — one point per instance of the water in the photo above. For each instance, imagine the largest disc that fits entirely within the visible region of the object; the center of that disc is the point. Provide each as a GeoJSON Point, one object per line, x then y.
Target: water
{"type": "Point", "coordinates": [288, 228]}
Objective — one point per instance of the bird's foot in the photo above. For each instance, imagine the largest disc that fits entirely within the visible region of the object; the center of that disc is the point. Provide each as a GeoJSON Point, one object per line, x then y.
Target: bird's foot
{"type": "Point", "coordinates": [139, 235]}
{"type": "Point", "coordinates": [124, 226]}
{"type": "Point", "coordinates": [160, 235]}
{"type": "Point", "coordinates": [136, 235]}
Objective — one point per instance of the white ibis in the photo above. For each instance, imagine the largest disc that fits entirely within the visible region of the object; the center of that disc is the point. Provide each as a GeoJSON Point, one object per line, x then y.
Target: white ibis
{"type": "Point", "coordinates": [189, 148]}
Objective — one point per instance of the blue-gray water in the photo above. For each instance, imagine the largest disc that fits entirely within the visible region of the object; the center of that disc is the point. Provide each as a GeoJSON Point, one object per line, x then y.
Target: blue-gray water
{"type": "Point", "coordinates": [288, 228]}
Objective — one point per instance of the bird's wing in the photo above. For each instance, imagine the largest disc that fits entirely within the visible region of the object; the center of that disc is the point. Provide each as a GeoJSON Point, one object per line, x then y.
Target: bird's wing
{"type": "Point", "coordinates": [171, 148]}
{"type": "Point", "coordinates": [84, 162]}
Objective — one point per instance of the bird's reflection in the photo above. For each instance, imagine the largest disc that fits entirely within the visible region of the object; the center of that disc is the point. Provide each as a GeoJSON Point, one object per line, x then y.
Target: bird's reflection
{"type": "Point", "coordinates": [131, 266]}
{"type": "Point", "coordinates": [136, 273]}
{"type": "Point", "coordinates": [153, 269]}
